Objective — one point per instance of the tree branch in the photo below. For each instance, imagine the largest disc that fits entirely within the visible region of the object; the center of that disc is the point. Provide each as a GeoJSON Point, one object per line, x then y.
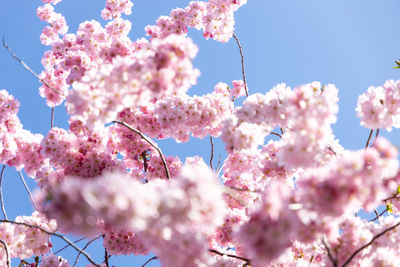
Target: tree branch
{"type": "Point", "coordinates": [76, 241]}
{"type": "Point", "coordinates": [369, 243]}
{"type": "Point", "coordinates": [242, 57]}
{"type": "Point", "coordinates": [57, 235]}
{"type": "Point", "coordinates": [27, 189]}
{"type": "Point", "coordinates": [1, 193]}
{"type": "Point", "coordinates": [212, 153]}
{"type": "Point", "coordinates": [149, 260]}
{"type": "Point", "coordinates": [150, 143]}
{"type": "Point", "coordinates": [248, 261]}
{"type": "Point", "coordinates": [369, 138]}
{"type": "Point", "coordinates": [6, 46]}
{"type": "Point", "coordinates": [334, 261]}
{"type": "Point", "coordinates": [83, 249]}
{"type": "Point", "coordinates": [7, 252]}
{"type": "Point", "coordinates": [52, 118]}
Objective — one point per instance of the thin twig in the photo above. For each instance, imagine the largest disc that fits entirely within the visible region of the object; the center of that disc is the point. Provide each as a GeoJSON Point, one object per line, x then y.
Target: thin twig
{"type": "Point", "coordinates": [241, 55]}
{"type": "Point", "coordinates": [248, 261]}
{"type": "Point", "coordinates": [27, 189]}
{"type": "Point", "coordinates": [334, 262]}
{"type": "Point", "coordinates": [331, 149]}
{"type": "Point", "coordinates": [219, 163]}
{"type": "Point", "coordinates": [149, 260]}
{"type": "Point", "coordinates": [276, 134]}
{"type": "Point", "coordinates": [369, 138]}
{"type": "Point", "coordinates": [212, 153]}
{"type": "Point", "coordinates": [83, 249]}
{"type": "Point", "coordinates": [150, 143]}
{"type": "Point", "coordinates": [369, 243]}
{"type": "Point", "coordinates": [106, 257]}
{"type": "Point", "coordinates": [76, 241]}
{"type": "Point", "coordinates": [1, 193]}
{"type": "Point", "coordinates": [7, 252]}
{"type": "Point", "coordinates": [57, 235]}
{"type": "Point", "coordinates": [27, 67]}
{"type": "Point", "coordinates": [52, 118]}
{"type": "Point", "coordinates": [378, 215]}
{"type": "Point", "coordinates": [376, 135]}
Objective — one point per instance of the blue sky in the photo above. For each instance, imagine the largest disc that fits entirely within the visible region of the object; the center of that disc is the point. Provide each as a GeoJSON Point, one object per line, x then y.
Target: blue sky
{"type": "Point", "coordinates": [352, 44]}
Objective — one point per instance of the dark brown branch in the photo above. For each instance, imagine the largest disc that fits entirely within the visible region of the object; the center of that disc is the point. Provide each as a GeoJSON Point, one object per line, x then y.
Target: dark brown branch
{"type": "Point", "coordinates": [378, 215]}
{"type": "Point", "coordinates": [242, 57]}
{"type": "Point", "coordinates": [369, 243]}
{"type": "Point", "coordinates": [1, 193]}
{"type": "Point", "coordinates": [276, 134]}
{"type": "Point", "coordinates": [248, 261]}
{"type": "Point", "coordinates": [212, 153]}
{"type": "Point", "coordinates": [52, 118]}
{"type": "Point", "coordinates": [85, 247]}
{"type": "Point", "coordinates": [334, 261]}
{"type": "Point", "coordinates": [150, 143]}
{"type": "Point", "coordinates": [57, 235]}
{"type": "Point", "coordinates": [7, 253]}
{"type": "Point", "coordinates": [369, 138]}
{"type": "Point", "coordinates": [6, 46]}
{"type": "Point", "coordinates": [106, 257]}
{"type": "Point", "coordinates": [149, 260]}
{"type": "Point", "coordinates": [27, 189]}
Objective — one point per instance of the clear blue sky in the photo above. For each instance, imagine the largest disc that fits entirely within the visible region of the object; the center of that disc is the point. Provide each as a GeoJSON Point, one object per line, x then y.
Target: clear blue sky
{"type": "Point", "coordinates": [352, 44]}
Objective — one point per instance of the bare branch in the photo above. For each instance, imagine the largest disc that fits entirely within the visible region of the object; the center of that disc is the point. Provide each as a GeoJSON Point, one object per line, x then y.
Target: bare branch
{"type": "Point", "coordinates": [27, 67]}
{"type": "Point", "coordinates": [334, 261]}
{"type": "Point", "coordinates": [7, 252]}
{"type": "Point", "coordinates": [150, 143]}
{"type": "Point", "coordinates": [83, 249]}
{"type": "Point", "coordinates": [241, 55]}
{"type": "Point", "coordinates": [369, 138]}
{"type": "Point", "coordinates": [76, 241]}
{"type": "Point", "coordinates": [276, 134]}
{"type": "Point", "coordinates": [106, 257]}
{"type": "Point", "coordinates": [219, 163]}
{"type": "Point", "coordinates": [1, 193]}
{"type": "Point", "coordinates": [212, 153]}
{"type": "Point", "coordinates": [149, 260]}
{"type": "Point", "coordinates": [27, 189]}
{"type": "Point", "coordinates": [57, 235]}
{"type": "Point", "coordinates": [52, 118]}
{"type": "Point", "coordinates": [369, 243]}
{"type": "Point", "coordinates": [248, 261]}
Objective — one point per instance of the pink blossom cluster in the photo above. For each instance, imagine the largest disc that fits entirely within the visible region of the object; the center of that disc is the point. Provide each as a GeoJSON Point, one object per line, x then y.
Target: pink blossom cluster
{"type": "Point", "coordinates": [140, 157]}
{"type": "Point", "coordinates": [123, 242]}
{"type": "Point", "coordinates": [248, 173]}
{"type": "Point", "coordinates": [19, 148]}
{"type": "Point", "coordinates": [79, 151]}
{"type": "Point", "coordinates": [58, 25]}
{"type": "Point", "coordinates": [114, 9]}
{"type": "Point", "coordinates": [305, 114]}
{"type": "Point", "coordinates": [272, 227]}
{"type": "Point", "coordinates": [9, 125]}
{"type": "Point", "coordinates": [23, 242]}
{"type": "Point", "coordinates": [379, 106]}
{"type": "Point", "coordinates": [54, 2]}
{"type": "Point", "coordinates": [182, 211]}
{"type": "Point", "coordinates": [353, 180]}
{"type": "Point", "coordinates": [164, 68]}
{"type": "Point", "coordinates": [181, 115]}
{"type": "Point", "coordinates": [53, 260]}
{"type": "Point", "coordinates": [215, 18]}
